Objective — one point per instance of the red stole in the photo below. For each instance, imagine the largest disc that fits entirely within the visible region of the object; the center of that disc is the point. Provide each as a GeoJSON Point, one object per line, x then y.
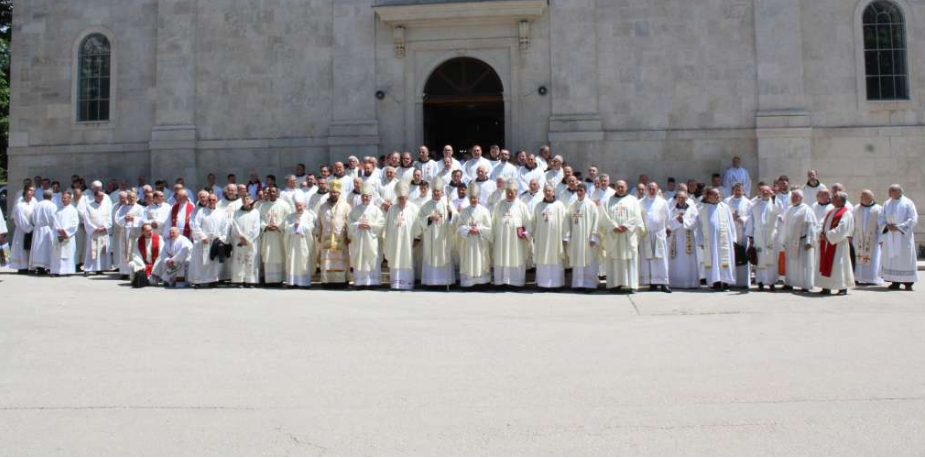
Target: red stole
{"type": "Point", "coordinates": [827, 250]}
{"type": "Point", "coordinates": [175, 211]}
{"type": "Point", "coordinates": [155, 250]}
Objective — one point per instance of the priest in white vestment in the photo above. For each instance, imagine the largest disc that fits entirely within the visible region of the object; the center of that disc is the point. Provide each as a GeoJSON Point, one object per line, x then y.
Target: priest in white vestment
{"type": "Point", "coordinates": [800, 235]}
{"type": "Point", "coordinates": [550, 224]}
{"type": "Point", "coordinates": [300, 246]}
{"type": "Point", "coordinates": [126, 229]}
{"type": "Point", "coordinates": [173, 260]}
{"type": "Point", "coordinates": [3, 233]}
{"type": "Point", "coordinates": [158, 213]}
{"type": "Point", "coordinates": [822, 204]}
{"type": "Point", "coordinates": [98, 221]}
{"type": "Point", "coordinates": [64, 253]}
{"type": "Point", "coordinates": [486, 185]}
{"type": "Point", "coordinates": [436, 221]}
{"type": "Point", "coordinates": [866, 240]}
{"type": "Point", "coordinates": [897, 224]}
{"type": "Point", "coordinates": [621, 227]}
{"type": "Point", "coordinates": [653, 246]}
{"type": "Point", "coordinates": [401, 234]}
{"type": "Point", "coordinates": [365, 224]}
{"type": "Point", "coordinates": [333, 242]}
{"type": "Point", "coordinates": [762, 228]}
{"type": "Point", "coordinates": [245, 236]}
{"type": "Point", "coordinates": [230, 203]}
{"type": "Point", "coordinates": [273, 214]}
{"type": "Point", "coordinates": [811, 189]}
{"type": "Point", "coordinates": [511, 224]}
{"type": "Point", "coordinates": [474, 229]}
{"type": "Point", "coordinates": [43, 234]}
{"type": "Point", "coordinates": [737, 174]}
{"type": "Point", "coordinates": [741, 207]}
{"type": "Point", "coordinates": [210, 225]}
{"type": "Point", "coordinates": [717, 234]}
{"type": "Point", "coordinates": [683, 260]}
{"type": "Point", "coordinates": [477, 162]}
{"type": "Point", "coordinates": [583, 241]}
{"type": "Point", "coordinates": [836, 273]}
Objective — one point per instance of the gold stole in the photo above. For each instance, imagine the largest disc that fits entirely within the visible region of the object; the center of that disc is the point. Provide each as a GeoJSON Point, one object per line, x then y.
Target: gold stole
{"type": "Point", "coordinates": [868, 235]}
{"type": "Point", "coordinates": [723, 243]}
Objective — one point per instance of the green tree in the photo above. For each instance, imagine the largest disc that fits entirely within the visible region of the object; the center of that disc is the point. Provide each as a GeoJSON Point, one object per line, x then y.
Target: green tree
{"type": "Point", "coordinates": [6, 34]}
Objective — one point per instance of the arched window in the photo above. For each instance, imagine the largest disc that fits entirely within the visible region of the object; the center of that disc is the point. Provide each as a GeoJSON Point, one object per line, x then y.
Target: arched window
{"type": "Point", "coordinates": [885, 52]}
{"type": "Point", "coordinates": [93, 79]}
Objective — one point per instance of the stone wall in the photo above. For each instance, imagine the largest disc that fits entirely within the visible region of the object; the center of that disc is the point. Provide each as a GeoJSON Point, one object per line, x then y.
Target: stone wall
{"type": "Point", "coordinates": [667, 87]}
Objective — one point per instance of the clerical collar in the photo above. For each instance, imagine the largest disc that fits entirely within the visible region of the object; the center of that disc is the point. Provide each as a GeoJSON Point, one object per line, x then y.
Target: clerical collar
{"type": "Point", "coordinates": [480, 180]}
{"type": "Point", "coordinates": [588, 180]}
{"type": "Point", "coordinates": [322, 191]}
{"type": "Point", "coordinates": [811, 185]}
{"type": "Point", "coordinates": [415, 184]}
{"type": "Point", "coordinates": [530, 168]}
{"type": "Point", "coordinates": [549, 201]}
{"type": "Point", "coordinates": [682, 207]}
{"type": "Point", "coordinates": [869, 205]}
{"type": "Point", "coordinates": [624, 195]}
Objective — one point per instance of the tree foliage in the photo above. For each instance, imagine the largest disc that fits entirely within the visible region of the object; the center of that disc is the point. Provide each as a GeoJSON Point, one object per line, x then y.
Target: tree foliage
{"type": "Point", "coordinates": [6, 35]}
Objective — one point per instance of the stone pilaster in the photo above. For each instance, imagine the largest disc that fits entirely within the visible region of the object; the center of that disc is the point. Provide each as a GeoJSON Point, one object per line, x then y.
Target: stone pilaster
{"type": "Point", "coordinates": [354, 127]}
{"type": "Point", "coordinates": [573, 57]}
{"type": "Point", "coordinates": [173, 138]}
{"type": "Point", "coordinates": [782, 123]}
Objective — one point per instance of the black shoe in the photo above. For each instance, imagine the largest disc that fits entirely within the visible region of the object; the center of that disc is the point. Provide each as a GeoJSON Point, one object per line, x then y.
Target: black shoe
{"type": "Point", "coordinates": [787, 288]}
{"type": "Point", "coordinates": [843, 292]}
{"type": "Point", "coordinates": [825, 292]}
{"type": "Point", "coordinates": [617, 289]}
{"type": "Point", "coordinates": [666, 289]}
{"type": "Point", "coordinates": [653, 288]}
{"type": "Point", "coordinates": [894, 286]}
{"type": "Point", "coordinates": [760, 286]}
{"type": "Point", "coordinates": [908, 286]}
{"type": "Point", "coordinates": [717, 286]}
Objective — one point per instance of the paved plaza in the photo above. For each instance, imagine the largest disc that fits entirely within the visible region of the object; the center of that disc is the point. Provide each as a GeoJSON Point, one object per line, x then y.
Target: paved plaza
{"type": "Point", "coordinates": [92, 367]}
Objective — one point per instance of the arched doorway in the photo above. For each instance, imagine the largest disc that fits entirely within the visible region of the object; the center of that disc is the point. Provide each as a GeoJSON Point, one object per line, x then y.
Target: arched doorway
{"type": "Point", "coordinates": [463, 105]}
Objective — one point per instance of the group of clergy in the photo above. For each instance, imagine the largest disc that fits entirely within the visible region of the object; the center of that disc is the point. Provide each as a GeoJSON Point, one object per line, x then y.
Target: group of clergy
{"type": "Point", "coordinates": [478, 223]}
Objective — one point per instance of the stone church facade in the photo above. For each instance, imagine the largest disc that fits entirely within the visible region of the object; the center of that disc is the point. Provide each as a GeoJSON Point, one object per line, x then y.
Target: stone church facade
{"type": "Point", "coordinates": [166, 88]}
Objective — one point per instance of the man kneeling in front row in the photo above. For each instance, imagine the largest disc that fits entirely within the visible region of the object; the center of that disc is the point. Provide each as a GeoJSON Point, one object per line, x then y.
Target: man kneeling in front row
{"type": "Point", "coordinates": [155, 260]}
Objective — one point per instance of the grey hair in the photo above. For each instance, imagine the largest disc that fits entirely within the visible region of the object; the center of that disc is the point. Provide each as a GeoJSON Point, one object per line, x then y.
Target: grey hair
{"type": "Point", "coordinates": [896, 187]}
{"type": "Point", "coordinates": [47, 194]}
{"type": "Point", "coordinates": [290, 177]}
{"type": "Point", "coordinates": [841, 195]}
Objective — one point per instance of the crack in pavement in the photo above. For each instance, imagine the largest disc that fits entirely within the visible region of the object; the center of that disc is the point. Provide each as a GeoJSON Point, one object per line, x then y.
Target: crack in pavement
{"type": "Point", "coordinates": [630, 297]}
{"type": "Point", "coordinates": [297, 407]}
{"type": "Point", "coordinates": [128, 408]}
{"type": "Point", "coordinates": [321, 449]}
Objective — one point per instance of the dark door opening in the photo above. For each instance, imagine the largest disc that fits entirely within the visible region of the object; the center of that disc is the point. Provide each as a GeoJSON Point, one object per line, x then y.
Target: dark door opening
{"type": "Point", "coordinates": [463, 106]}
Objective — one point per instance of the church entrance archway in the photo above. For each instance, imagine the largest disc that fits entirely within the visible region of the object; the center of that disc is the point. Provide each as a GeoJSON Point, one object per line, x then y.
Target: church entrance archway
{"type": "Point", "coordinates": [463, 106]}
